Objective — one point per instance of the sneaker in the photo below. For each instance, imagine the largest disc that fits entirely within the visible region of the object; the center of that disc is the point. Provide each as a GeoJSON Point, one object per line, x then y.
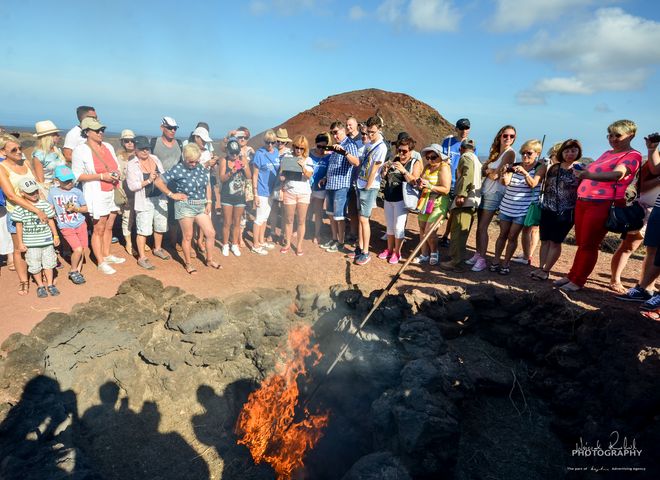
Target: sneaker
{"type": "Point", "coordinates": [259, 250]}
{"type": "Point", "coordinates": [268, 245]}
{"type": "Point", "coordinates": [104, 267]}
{"type": "Point", "coordinates": [635, 294]}
{"type": "Point", "coordinates": [434, 259]}
{"type": "Point", "coordinates": [327, 244]}
{"type": "Point", "coordinates": [520, 258]}
{"type": "Point", "coordinates": [353, 254]}
{"type": "Point", "coordinates": [384, 255]}
{"type": "Point", "coordinates": [225, 250]}
{"type": "Point", "coordinates": [160, 253]}
{"type": "Point", "coordinates": [362, 259]}
{"type": "Point", "coordinates": [473, 259]}
{"type": "Point", "coordinates": [421, 259]}
{"type": "Point", "coordinates": [394, 259]}
{"type": "Point", "coordinates": [480, 265]}
{"type": "Point", "coordinates": [444, 242]}
{"type": "Point", "coordinates": [41, 292]}
{"type": "Point", "coordinates": [333, 248]}
{"type": "Point", "coordinates": [76, 278]}
{"type": "Point", "coordinates": [235, 250]}
{"type": "Point", "coordinates": [494, 267]}
{"type": "Point", "coordinates": [52, 290]}
{"type": "Point", "coordinates": [145, 263]}
{"type": "Point", "coordinates": [652, 303]}
{"type": "Point", "coordinates": [113, 259]}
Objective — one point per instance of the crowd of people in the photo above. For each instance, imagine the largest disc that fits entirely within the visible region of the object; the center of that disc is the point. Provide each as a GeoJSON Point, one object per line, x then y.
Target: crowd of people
{"type": "Point", "coordinates": [169, 192]}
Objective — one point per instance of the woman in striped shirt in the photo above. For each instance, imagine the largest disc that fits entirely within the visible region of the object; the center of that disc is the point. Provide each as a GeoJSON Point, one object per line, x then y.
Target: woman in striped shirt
{"type": "Point", "coordinates": [522, 181]}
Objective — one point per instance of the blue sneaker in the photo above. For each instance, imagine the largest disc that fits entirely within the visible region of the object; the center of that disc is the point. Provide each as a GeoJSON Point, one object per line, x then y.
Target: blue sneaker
{"type": "Point", "coordinates": [362, 259]}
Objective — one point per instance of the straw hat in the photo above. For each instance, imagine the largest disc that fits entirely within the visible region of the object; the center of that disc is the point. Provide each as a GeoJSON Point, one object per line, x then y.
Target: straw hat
{"type": "Point", "coordinates": [282, 135]}
{"type": "Point", "coordinates": [127, 134]}
{"type": "Point", "coordinates": [45, 127]}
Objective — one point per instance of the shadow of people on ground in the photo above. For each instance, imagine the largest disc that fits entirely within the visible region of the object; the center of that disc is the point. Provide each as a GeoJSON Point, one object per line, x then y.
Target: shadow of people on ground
{"type": "Point", "coordinates": [36, 437]}
{"type": "Point", "coordinates": [215, 427]}
{"type": "Point", "coordinates": [123, 444]}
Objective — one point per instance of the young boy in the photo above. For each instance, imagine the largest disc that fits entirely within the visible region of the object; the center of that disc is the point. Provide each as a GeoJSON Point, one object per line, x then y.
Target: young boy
{"type": "Point", "coordinates": [37, 239]}
{"type": "Point", "coordinates": [69, 204]}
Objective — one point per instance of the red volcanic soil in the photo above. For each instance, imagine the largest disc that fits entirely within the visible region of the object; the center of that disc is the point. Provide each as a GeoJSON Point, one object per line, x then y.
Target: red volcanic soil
{"type": "Point", "coordinates": [400, 113]}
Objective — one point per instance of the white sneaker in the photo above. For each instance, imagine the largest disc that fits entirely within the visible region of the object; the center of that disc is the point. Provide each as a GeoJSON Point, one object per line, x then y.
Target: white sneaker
{"type": "Point", "coordinates": [520, 258]}
{"type": "Point", "coordinates": [113, 259]}
{"type": "Point", "coordinates": [235, 250]}
{"type": "Point", "coordinates": [268, 246]}
{"type": "Point", "coordinates": [105, 268]}
{"type": "Point", "coordinates": [259, 250]}
{"type": "Point", "coordinates": [225, 250]}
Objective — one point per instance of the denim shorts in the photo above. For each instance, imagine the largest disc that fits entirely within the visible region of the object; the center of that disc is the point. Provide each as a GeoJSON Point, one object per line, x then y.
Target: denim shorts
{"type": "Point", "coordinates": [183, 209]}
{"type": "Point", "coordinates": [11, 225]}
{"type": "Point", "coordinates": [337, 200]}
{"type": "Point", "coordinates": [652, 234]}
{"type": "Point", "coordinates": [517, 220]}
{"type": "Point", "coordinates": [367, 201]}
{"type": "Point", "coordinates": [491, 201]}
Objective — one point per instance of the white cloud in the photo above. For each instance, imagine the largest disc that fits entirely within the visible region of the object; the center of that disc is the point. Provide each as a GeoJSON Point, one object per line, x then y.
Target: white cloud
{"type": "Point", "coordinates": [356, 13]}
{"type": "Point", "coordinates": [516, 15]}
{"type": "Point", "coordinates": [434, 15]}
{"type": "Point", "coordinates": [424, 15]}
{"type": "Point", "coordinates": [611, 52]}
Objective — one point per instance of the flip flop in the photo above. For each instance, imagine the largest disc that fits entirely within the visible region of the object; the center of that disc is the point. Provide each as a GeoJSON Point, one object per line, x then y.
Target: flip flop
{"type": "Point", "coordinates": [651, 314]}
{"type": "Point", "coordinates": [190, 269]}
{"type": "Point", "coordinates": [215, 265]}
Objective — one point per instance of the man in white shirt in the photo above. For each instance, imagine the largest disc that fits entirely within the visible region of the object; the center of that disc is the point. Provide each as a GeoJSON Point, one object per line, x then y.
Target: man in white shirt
{"type": "Point", "coordinates": [73, 137]}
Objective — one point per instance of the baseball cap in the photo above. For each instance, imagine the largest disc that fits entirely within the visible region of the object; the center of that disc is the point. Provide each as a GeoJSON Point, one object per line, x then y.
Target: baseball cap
{"type": "Point", "coordinates": [141, 142]}
{"type": "Point", "coordinates": [463, 124]}
{"type": "Point", "coordinates": [202, 133]}
{"type": "Point", "coordinates": [64, 173]}
{"type": "Point", "coordinates": [90, 123]}
{"type": "Point", "coordinates": [168, 122]}
{"type": "Point", "coordinates": [28, 186]}
{"type": "Point", "coordinates": [468, 143]}
{"type": "Point", "coordinates": [401, 136]}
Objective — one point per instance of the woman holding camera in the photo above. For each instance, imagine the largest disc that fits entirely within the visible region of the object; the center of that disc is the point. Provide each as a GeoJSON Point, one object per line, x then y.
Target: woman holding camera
{"type": "Point", "coordinates": [521, 182]}
{"type": "Point", "coordinates": [95, 166]}
{"type": "Point", "coordinates": [233, 176]}
{"type": "Point", "coordinates": [559, 197]}
{"type": "Point", "coordinates": [397, 173]}
{"type": "Point", "coordinates": [434, 182]}
{"type": "Point", "coordinates": [492, 190]}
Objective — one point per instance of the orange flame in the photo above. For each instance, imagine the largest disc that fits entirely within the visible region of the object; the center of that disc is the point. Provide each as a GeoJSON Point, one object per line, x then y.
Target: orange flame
{"type": "Point", "coordinates": [266, 423]}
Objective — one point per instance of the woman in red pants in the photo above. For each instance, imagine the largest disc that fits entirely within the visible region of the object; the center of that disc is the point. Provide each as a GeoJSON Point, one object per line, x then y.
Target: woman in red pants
{"type": "Point", "coordinates": [602, 182]}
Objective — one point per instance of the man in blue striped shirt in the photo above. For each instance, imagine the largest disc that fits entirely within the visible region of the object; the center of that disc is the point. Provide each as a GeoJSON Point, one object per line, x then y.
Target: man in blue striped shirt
{"type": "Point", "coordinates": [343, 159]}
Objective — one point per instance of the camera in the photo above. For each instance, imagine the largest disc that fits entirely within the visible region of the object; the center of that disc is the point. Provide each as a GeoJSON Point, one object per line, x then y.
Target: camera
{"type": "Point", "coordinates": [654, 137]}
{"type": "Point", "coordinates": [578, 166]}
{"type": "Point", "coordinates": [511, 169]}
{"type": "Point", "coordinates": [114, 175]}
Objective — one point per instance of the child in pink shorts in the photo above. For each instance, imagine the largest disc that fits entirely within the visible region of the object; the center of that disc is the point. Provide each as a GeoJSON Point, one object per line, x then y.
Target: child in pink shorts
{"type": "Point", "coordinates": [69, 204]}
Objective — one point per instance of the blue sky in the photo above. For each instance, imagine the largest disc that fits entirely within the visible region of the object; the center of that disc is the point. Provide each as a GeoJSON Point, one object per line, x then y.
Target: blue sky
{"type": "Point", "coordinates": [564, 68]}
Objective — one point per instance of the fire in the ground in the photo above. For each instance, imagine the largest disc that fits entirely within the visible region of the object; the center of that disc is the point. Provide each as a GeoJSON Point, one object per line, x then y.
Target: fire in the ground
{"type": "Point", "coordinates": [266, 424]}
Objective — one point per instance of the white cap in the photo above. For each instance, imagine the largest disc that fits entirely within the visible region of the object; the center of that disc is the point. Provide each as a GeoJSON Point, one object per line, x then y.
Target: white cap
{"type": "Point", "coordinates": [168, 122]}
{"type": "Point", "coordinates": [202, 133]}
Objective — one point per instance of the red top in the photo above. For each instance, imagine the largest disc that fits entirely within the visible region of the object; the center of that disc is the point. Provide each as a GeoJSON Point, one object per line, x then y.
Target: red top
{"type": "Point", "coordinates": [607, 162]}
{"type": "Point", "coordinates": [105, 164]}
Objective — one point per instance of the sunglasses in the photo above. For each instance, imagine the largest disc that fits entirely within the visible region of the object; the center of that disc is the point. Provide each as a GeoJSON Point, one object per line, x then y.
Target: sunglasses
{"type": "Point", "coordinates": [432, 158]}
{"type": "Point", "coordinates": [146, 149]}
{"type": "Point", "coordinates": [98, 130]}
{"type": "Point", "coordinates": [128, 140]}
{"type": "Point", "coordinates": [281, 142]}
{"type": "Point", "coordinates": [269, 143]}
{"type": "Point", "coordinates": [364, 134]}
{"type": "Point", "coordinates": [402, 150]}
{"type": "Point", "coordinates": [296, 147]}
{"type": "Point", "coordinates": [615, 135]}
{"type": "Point", "coordinates": [508, 135]}
{"type": "Point", "coordinates": [172, 129]}
{"type": "Point", "coordinates": [528, 154]}
{"type": "Point", "coordinates": [15, 150]}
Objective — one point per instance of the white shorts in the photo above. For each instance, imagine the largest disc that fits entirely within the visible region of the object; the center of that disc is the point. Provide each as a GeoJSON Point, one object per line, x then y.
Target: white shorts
{"type": "Point", "coordinates": [6, 245]}
{"type": "Point", "coordinates": [103, 205]}
{"type": "Point", "coordinates": [263, 210]}
{"type": "Point", "coordinates": [154, 218]}
{"type": "Point", "coordinates": [40, 258]}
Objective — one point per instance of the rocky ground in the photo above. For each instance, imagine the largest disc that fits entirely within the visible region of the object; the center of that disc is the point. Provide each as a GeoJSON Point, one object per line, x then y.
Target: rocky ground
{"type": "Point", "coordinates": [477, 382]}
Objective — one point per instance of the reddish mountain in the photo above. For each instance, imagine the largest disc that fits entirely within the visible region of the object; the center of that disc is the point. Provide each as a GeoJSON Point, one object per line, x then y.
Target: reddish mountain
{"type": "Point", "coordinates": [400, 112]}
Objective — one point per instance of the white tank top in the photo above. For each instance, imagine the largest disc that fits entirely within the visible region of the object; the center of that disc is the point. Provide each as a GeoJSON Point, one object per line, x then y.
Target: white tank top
{"type": "Point", "coordinates": [491, 186]}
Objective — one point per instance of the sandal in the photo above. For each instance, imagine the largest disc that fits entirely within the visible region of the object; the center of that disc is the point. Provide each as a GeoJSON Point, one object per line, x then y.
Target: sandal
{"type": "Point", "coordinates": [651, 314]}
{"type": "Point", "coordinates": [285, 249]}
{"type": "Point", "coordinates": [190, 269]}
{"type": "Point", "coordinates": [504, 271]}
{"type": "Point", "coordinates": [215, 265]}
{"type": "Point", "coordinates": [41, 292]}
{"type": "Point", "coordinates": [162, 254]}
{"type": "Point", "coordinates": [76, 278]}
{"type": "Point", "coordinates": [494, 267]}
{"type": "Point", "coordinates": [52, 290]}
{"type": "Point", "coordinates": [23, 288]}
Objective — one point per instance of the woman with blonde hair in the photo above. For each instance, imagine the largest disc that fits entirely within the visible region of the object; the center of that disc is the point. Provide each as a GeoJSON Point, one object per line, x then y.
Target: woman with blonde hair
{"type": "Point", "coordinates": [46, 155]}
{"type": "Point", "coordinates": [265, 168]}
{"type": "Point", "coordinates": [125, 155]}
{"type": "Point", "coordinates": [434, 182]}
{"type": "Point", "coordinates": [297, 193]}
{"type": "Point", "coordinates": [522, 185]}
{"type": "Point", "coordinates": [492, 190]}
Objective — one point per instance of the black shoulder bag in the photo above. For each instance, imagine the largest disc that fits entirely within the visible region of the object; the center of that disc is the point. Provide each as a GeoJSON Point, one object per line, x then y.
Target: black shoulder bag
{"type": "Point", "coordinates": [629, 218]}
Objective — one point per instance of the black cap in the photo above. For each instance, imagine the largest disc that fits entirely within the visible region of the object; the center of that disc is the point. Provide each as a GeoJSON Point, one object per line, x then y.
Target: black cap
{"type": "Point", "coordinates": [463, 124]}
{"type": "Point", "coordinates": [141, 143]}
{"type": "Point", "coordinates": [401, 136]}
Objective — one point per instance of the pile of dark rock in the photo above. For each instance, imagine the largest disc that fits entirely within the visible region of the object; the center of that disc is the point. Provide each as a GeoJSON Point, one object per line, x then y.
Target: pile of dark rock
{"type": "Point", "coordinates": [487, 383]}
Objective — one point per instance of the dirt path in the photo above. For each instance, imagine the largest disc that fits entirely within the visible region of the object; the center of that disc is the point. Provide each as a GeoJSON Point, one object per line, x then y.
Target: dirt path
{"type": "Point", "coordinates": [316, 267]}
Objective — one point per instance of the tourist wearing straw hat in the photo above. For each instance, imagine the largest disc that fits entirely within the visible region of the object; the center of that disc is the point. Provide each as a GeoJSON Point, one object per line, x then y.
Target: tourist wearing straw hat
{"type": "Point", "coordinates": [125, 155]}
{"type": "Point", "coordinates": [46, 156]}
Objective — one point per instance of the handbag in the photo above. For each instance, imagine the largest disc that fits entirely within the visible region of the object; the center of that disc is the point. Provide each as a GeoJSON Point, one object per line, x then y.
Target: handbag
{"type": "Point", "coordinates": [628, 218]}
{"type": "Point", "coordinates": [533, 217]}
{"type": "Point", "coordinates": [410, 193]}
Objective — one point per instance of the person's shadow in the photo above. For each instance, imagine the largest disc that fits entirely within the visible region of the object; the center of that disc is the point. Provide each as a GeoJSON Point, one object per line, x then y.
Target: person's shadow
{"type": "Point", "coordinates": [215, 427]}
{"type": "Point", "coordinates": [123, 444]}
{"type": "Point", "coordinates": [36, 436]}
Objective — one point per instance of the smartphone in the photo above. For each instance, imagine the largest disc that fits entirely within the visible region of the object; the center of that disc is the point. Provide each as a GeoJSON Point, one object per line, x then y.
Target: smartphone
{"type": "Point", "coordinates": [578, 166]}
